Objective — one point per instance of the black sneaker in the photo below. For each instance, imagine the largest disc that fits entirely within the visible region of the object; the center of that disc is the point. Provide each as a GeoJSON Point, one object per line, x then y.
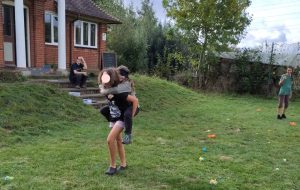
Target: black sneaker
{"type": "Point", "coordinates": [279, 117]}
{"type": "Point", "coordinates": [283, 116]}
{"type": "Point", "coordinates": [127, 139]}
{"type": "Point", "coordinates": [122, 168]}
{"type": "Point", "coordinates": [111, 171]}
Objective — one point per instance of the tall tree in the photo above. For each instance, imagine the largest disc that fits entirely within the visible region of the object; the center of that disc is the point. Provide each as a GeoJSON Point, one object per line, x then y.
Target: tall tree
{"type": "Point", "coordinates": [151, 32]}
{"type": "Point", "coordinates": [126, 39]}
{"type": "Point", "coordinates": [210, 25]}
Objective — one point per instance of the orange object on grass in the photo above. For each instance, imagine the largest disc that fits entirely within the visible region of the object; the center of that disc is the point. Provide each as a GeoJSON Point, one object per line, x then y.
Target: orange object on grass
{"type": "Point", "coordinates": [211, 136]}
{"type": "Point", "coordinates": [293, 124]}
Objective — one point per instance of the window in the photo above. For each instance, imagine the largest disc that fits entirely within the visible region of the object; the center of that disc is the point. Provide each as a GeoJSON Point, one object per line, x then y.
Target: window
{"type": "Point", "coordinates": [7, 20]}
{"type": "Point", "coordinates": [85, 34]}
{"type": "Point", "coordinates": [51, 28]}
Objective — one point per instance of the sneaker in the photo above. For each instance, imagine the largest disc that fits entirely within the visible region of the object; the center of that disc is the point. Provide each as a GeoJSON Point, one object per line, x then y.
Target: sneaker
{"type": "Point", "coordinates": [127, 139]}
{"type": "Point", "coordinates": [83, 86]}
{"type": "Point", "coordinates": [111, 171]}
{"type": "Point", "coordinates": [77, 86]}
{"type": "Point", "coordinates": [279, 117]}
{"type": "Point", "coordinates": [122, 168]}
{"type": "Point", "coordinates": [283, 116]}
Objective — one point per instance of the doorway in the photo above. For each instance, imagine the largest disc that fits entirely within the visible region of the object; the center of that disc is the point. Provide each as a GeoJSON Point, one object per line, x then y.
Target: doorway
{"type": "Point", "coordinates": [9, 39]}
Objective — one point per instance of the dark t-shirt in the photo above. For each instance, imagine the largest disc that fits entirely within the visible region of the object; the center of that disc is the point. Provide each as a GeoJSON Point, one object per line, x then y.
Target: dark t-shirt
{"type": "Point", "coordinates": [76, 67]}
{"type": "Point", "coordinates": [117, 106]}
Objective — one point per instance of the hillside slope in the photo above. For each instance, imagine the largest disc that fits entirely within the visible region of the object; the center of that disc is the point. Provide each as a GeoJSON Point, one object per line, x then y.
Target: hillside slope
{"type": "Point", "coordinates": [31, 109]}
{"type": "Point", "coordinates": [52, 149]}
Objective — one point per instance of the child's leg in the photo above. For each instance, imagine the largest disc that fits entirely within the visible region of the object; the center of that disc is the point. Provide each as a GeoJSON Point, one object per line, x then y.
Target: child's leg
{"type": "Point", "coordinates": [105, 112]}
{"type": "Point", "coordinates": [111, 142]}
{"type": "Point", "coordinates": [280, 105]}
{"type": "Point", "coordinates": [286, 103]}
{"type": "Point", "coordinates": [128, 120]}
{"type": "Point", "coordinates": [120, 146]}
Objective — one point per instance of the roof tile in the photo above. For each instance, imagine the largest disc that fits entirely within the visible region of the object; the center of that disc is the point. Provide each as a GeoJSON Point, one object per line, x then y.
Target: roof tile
{"type": "Point", "coordinates": [89, 8]}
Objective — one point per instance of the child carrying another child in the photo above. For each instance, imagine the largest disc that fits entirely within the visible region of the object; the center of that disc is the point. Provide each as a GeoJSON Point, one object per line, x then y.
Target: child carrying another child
{"type": "Point", "coordinates": [126, 85]}
{"type": "Point", "coordinates": [119, 103]}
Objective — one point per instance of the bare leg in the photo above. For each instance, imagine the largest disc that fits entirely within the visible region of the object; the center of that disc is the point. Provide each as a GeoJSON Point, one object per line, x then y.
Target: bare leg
{"type": "Point", "coordinates": [121, 150]}
{"type": "Point", "coordinates": [111, 142]}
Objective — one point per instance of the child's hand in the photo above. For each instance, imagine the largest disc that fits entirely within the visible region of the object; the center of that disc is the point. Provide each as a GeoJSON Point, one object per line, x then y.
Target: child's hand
{"type": "Point", "coordinates": [110, 96]}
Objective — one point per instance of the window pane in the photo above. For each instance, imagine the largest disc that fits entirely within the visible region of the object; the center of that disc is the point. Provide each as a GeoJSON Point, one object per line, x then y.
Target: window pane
{"type": "Point", "coordinates": [7, 21]}
{"type": "Point", "coordinates": [55, 28]}
{"type": "Point", "coordinates": [78, 32]}
{"type": "Point", "coordinates": [93, 35]}
{"type": "Point", "coordinates": [48, 28]}
{"type": "Point", "coordinates": [85, 33]}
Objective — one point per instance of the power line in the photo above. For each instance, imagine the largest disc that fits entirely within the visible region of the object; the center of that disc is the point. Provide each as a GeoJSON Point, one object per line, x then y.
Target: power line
{"type": "Point", "coordinates": [280, 15]}
{"type": "Point", "coordinates": [265, 4]}
{"type": "Point", "coordinates": [273, 29]}
{"type": "Point", "coordinates": [277, 6]}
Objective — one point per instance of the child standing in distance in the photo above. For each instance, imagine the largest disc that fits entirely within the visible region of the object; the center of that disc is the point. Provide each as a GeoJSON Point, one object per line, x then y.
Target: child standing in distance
{"type": "Point", "coordinates": [109, 78]}
{"type": "Point", "coordinates": [126, 85]}
{"type": "Point", "coordinates": [285, 93]}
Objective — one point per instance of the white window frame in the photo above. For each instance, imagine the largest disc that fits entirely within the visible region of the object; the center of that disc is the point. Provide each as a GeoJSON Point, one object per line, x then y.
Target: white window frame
{"type": "Point", "coordinates": [52, 28]}
{"type": "Point", "coordinates": [89, 35]}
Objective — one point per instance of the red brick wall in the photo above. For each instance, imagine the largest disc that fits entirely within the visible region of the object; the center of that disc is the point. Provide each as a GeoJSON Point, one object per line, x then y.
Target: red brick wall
{"type": "Point", "coordinates": [51, 54]}
{"type": "Point", "coordinates": [91, 56]}
{"type": "Point", "coordinates": [102, 44]}
{"type": "Point", "coordinates": [41, 53]}
{"type": "Point", "coordinates": [51, 51]}
{"type": "Point", "coordinates": [38, 34]}
{"type": "Point", "coordinates": [1, 37]}
{"type": "Point", "coordinates": [50, 5]}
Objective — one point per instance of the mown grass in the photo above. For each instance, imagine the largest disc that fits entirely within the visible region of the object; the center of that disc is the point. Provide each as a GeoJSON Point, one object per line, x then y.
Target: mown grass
{"type": "Point", "coordinates": [169, 134]}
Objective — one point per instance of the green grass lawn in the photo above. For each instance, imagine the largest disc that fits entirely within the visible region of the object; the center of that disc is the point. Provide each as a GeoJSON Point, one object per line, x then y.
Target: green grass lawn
{"type": "Point", "coordinates": [52, 141]}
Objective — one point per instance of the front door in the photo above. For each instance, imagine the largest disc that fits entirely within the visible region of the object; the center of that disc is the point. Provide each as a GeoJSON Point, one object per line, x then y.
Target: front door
{"type": "Point", "coordinates": [9, 36]}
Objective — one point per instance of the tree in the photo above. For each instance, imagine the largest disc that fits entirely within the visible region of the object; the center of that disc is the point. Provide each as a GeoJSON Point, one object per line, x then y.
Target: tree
{"type": "Point", "coordinates": [209, 26]}
{"type": "Point", "coordinates": [151, 32]}
{"type": "Point", "coordinates": [126, 39]}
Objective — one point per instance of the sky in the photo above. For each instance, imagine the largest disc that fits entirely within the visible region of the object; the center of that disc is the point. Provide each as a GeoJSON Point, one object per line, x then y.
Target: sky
{"type": "Point", "coordinates": [272, 21]}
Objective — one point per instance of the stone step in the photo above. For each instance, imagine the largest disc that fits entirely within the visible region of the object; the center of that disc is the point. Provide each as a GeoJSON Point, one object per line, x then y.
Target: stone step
{"type": "Point", "coordinates": [82, 91]}
{"type": "Point", "coordinates": [98, 104]}
{"type": "Point", "coordinates": [93, 97]}
{"type": "Point", "coordinates": [65, 83]}
{"type": "Point", "coordinates": [90, 95]}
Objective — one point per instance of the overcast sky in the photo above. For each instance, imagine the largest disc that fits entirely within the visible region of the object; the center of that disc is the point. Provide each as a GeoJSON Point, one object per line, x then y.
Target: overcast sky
{"type": "Point", "coordinates": [273, 20]}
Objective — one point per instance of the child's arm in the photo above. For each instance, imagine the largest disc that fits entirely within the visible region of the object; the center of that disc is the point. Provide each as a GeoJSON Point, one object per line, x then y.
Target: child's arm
{"type": "Point", "coordinates": [282, 79]}
{"type": "Point", "coordinates": [135, 103]}
{"type": "Point", "coordinates": [121, 88]}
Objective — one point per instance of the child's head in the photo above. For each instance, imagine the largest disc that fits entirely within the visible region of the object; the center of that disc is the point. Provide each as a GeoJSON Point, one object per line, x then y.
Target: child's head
{"type": "Point", "coordinates": [79, 60]}
{"type": "Point", "coordinates": [289, 70]}
{"type": "Point", "coordinates": [109, 77]}
{"type": "Point", "coordinates": [124, 72]}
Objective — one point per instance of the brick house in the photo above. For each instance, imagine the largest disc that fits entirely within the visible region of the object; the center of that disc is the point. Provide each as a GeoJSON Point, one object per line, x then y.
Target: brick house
{"type": "Point", "coordinates": [38, 32]}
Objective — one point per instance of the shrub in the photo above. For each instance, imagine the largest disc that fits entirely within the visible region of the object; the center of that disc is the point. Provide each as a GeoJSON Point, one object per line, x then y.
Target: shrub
{"type": "Point", "coordinates": [11, 76]}
{"type": "Point", "coordinates": [185, 78]}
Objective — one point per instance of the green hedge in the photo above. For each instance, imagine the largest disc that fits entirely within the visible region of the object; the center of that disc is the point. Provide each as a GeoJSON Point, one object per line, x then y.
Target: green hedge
{"type": "Point", "coordinates": [11, 76]}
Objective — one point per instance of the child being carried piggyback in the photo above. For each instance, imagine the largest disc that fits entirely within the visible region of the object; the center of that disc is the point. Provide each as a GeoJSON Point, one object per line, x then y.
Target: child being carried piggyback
{"type": "Point", "coordinates": [126, 85]}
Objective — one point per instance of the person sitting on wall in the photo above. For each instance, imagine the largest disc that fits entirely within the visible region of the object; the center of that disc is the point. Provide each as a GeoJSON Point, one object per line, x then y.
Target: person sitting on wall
{"type": "Point", "coordinates": [78, 73]}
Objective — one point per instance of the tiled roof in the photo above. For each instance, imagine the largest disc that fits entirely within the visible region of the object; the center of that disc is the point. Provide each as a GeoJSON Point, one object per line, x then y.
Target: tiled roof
{"type": "Point", "coordinates": [89, 8]}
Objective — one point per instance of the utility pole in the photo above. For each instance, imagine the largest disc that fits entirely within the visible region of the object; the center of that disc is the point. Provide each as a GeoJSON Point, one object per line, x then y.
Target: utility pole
{"type": "Point", "coordinates": [270, 80]}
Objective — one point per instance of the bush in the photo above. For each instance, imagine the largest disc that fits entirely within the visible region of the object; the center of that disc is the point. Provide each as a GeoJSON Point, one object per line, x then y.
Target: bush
{"type": "Point", "coordinates": [11, 76]}
{"type": "Point", "coordinates": [185, 78]}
